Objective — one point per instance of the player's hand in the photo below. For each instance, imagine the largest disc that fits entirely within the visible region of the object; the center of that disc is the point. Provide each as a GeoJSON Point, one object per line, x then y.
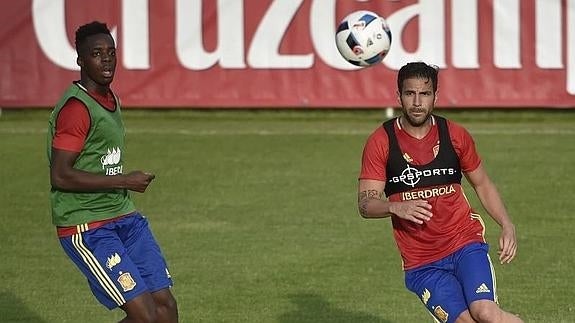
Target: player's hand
{"type": "Point", "coordinates": [417, 211]}
{"type": "Point", "coordinates": [507, 244]}
{"type": "Point", "coordinates": [138, 181]}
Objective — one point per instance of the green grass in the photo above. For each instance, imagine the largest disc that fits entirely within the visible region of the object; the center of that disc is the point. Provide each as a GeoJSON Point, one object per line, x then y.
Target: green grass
{"type": "Point", "coordinates": [256, 214]}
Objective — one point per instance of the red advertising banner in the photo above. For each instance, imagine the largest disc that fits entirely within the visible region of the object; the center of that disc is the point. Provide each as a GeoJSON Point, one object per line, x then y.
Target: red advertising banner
{"type": "Point", "coordinates": [282, 53]}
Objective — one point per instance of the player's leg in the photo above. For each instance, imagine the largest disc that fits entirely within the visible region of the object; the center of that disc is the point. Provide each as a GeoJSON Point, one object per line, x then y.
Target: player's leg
{"type": "Point", "coordinates": [145, 252]}
{"type": "Point", "coordinates": [140, 309]}
{"type": "Point", "coordinates": [465, 317]}
{"type": "Point", "coordinates": [144, 308]}
{"type": "Point", "coordinates": [166, 306]}
{"type": "Point", "coordinates": [475, 272]}
{"type": "Point", "coordinates": [440, 292]}
{"type": "Point", "coordinates": [488, 311]}
{"type": "Point", "coordinates": [113, 278]}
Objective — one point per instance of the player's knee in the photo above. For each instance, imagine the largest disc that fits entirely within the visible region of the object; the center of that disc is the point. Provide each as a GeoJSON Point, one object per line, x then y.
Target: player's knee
{"type": "Point", "coordinates": [151, 317]}
{"type": "Point", "coordinates": [465, 317]}
{"type": "Point", "coordinates": [485, 312]}
{"type": "Point", "coordinates": [141, 309]}
{"type": "Point", "coordinates": [168, 305]}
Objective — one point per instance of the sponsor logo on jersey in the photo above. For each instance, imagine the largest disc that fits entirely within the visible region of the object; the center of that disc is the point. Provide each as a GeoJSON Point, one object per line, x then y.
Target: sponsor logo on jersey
{"type": "Point", "coordinates": [411, 176]}
{"type": "Point", "coordinates": [427, 193]}
{"type": "Point", "coordinates": [110, 161]}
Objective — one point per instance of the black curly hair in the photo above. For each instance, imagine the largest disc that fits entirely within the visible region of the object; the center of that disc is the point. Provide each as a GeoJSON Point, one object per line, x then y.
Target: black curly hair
{"type": "Point", "coordinates": [90, 29]}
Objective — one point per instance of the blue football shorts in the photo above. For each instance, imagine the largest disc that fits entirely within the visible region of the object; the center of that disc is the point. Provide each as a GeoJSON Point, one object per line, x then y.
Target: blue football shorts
{"type": "Point", "coordinates": [120, 259]}
{"type": "Point", "coordinates": [447, 286]}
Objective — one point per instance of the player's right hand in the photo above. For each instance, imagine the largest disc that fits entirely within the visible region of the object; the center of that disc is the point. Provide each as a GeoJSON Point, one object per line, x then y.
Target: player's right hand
{"type": "Point", "coordinates": [418, 211]}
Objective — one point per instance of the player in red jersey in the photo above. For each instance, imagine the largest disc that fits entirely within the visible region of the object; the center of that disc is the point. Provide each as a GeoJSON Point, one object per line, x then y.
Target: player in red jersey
{"type": "Point", "coordinates": [417, 160]}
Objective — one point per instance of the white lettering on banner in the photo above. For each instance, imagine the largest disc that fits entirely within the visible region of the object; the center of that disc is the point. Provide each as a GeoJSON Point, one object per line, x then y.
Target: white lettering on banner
{"type": "Point", "coordinates": [49, 24]}
{"type": "Point", "coordinates": [135, 34]}
{"type": "Point", "coordinates": [189, 40]}
{"type": "Point", "coordinates": [571, 47]}
{"type": "Point", "coordinates": [264, 49]}
{"type": "Point", "coordinates": [322, 16]}
{"type": "Point", "coordinates": [548, 33]}
{"type": "Point", "coordinates": [431, 14]}
{"type": "Point", "coordinates": [506, 33]}
{"type": "Point", "coordinates": [464, 35]}
{"type": "Point", "coordinates": [48, 18]}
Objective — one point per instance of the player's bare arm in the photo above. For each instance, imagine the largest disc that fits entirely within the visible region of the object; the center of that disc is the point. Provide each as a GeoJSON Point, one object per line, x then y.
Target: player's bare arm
{"type": "Point", "coordinates": [371, 204]}
{"type": "Point", "coordinates": [64, 176]}
{"type": "Point", "coordinates": [491, 201]}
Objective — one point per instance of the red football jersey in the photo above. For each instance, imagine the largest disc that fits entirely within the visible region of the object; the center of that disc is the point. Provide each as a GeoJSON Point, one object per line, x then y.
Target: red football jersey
{"type": "Point", "coordinates": [454, 223]}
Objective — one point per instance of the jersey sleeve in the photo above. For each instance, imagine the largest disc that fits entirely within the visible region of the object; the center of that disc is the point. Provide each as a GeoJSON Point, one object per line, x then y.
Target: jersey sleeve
{"type": "Point", "coordinates": [464, 147]}
{"type": "Point", "coordinates": [72, 126]}
{"type": "Point", "coordinates": [374, 157]}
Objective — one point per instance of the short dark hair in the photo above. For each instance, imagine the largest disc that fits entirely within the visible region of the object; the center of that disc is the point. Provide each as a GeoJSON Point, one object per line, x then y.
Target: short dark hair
{"type": "Point", "coordinates": [90, 29]}
{"type": "Point", "coordinates": [418, 70]}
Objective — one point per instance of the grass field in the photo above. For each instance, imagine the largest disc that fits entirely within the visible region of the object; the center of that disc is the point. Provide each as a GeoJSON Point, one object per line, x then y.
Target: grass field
{"type": "Point", "coordinates": [256, 214]}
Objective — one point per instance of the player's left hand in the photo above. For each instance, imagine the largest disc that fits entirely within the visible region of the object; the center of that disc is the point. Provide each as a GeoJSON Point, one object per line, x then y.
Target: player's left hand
{"type": "Point", "coordinates": [507, 244]}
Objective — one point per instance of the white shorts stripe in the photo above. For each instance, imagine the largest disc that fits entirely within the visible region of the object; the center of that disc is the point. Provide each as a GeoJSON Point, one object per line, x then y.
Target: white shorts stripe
{"type": "Point", "coordinates": [495, 297]}
{"type": "Point", "coordinates": [99, 272]}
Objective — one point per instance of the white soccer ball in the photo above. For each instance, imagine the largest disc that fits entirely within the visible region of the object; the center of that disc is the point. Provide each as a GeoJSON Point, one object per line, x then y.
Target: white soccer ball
{"type": "Point", "coordinates": [363, 38]}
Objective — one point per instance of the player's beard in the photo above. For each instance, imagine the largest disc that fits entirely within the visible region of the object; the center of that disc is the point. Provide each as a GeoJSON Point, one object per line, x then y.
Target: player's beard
{"type": "Point", "coordinates": [416, 122]}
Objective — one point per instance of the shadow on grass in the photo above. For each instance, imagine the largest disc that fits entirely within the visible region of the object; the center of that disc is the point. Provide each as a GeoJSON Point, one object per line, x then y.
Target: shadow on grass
{"type": "Point", "coordinates": [313, 308]}
{"type": "Point", "coordinates": [13, 310]}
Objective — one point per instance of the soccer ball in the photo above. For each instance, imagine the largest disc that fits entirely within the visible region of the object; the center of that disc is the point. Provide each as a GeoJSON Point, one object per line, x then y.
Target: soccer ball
{"type": "Point", "coordinates": [363, 38]}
